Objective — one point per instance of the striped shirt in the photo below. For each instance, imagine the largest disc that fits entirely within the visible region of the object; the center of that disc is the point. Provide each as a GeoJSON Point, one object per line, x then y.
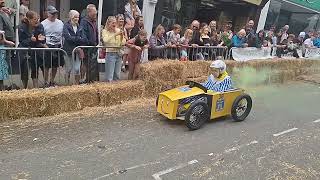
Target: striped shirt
{"type": "Point", "coordinates": [218, 86]}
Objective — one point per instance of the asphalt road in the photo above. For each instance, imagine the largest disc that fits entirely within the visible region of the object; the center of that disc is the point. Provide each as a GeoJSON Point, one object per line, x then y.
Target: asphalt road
{"type": "Point", "coordinates": [279, 140]}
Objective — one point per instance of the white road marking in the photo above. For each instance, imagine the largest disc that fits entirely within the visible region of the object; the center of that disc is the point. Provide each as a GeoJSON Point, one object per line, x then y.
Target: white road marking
{"type": "Point", "coordinates": [284, 132]}
{"type": "Point", "coordinates": [156, 176]}
{"type": "Point", "coordinates": [316, 121]}
{"type": "Point", "coordinates": [130, 168]}
{"type": "Point", "coordinates": [211, 154]}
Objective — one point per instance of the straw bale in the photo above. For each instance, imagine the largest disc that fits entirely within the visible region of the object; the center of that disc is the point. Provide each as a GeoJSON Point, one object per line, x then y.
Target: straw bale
{"type": "Point", "coordinates": [119, 92]}
{"type": "Point", "coordinates": [194, 69]}
{"type": "Point", "coordinates": [165, 70]}
{"type": "Point", "coordinates": [45, 102]}
{"type": "Point", "coordinates": [315, 78]}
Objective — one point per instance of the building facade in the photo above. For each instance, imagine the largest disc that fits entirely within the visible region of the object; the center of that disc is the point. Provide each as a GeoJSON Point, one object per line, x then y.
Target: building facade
{"type": "Point", "coordinates": [167, 12]}
{"type": "Point", "coordinates": [300, 15]}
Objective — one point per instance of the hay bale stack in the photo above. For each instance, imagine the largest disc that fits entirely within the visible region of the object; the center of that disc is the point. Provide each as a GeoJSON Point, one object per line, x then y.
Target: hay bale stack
{"type": "Point", "coordinates": [46, 102]}
{"type": "Point", "coordinates": [195, 69]}
{"type": "Point", "coordinates": [315, 78]}
{"type": "Point", "coordinates": [165, 70]}
{"type": "Point", "coordinates": [116, 93]}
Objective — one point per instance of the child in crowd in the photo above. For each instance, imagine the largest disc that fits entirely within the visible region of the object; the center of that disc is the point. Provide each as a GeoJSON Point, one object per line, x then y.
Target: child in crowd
{"type": "Point", "coordinates": [184, 42]}
{"type": "Point", "coordinates": [173, 38]}
{"type": "Point", "coordinates": [4, 73]}
{"type": "Point", "coordinates": [137, 45]}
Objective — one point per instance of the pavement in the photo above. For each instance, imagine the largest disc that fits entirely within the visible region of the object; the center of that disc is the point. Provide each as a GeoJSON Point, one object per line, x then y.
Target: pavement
{"type": "Point", "coordinates": [279, 140]}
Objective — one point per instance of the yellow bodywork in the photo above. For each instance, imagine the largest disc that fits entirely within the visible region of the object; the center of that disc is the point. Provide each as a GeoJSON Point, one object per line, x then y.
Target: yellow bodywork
{"type": "Point", "coordinates": [168, 101]}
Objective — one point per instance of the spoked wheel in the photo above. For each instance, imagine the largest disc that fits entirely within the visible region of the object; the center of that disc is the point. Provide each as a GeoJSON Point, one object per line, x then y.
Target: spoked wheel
{"type": "Point", "coordinates": [197, 115]}
{"type": "Point", "coordinates": [241, 107]}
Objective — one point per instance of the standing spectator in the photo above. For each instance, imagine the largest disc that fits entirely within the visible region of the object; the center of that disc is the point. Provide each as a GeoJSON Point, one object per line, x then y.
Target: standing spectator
{"type": "Point", "coordinates": [11, 9]}
{"type": "Point", "coordinates": [308, 43]}
{"type": "Point", "coordinates": [124, 50]}
{"type": "Point", "coordinates": [90, 29]}
{"type": "Point", "coordinates": [195, 41]}
{"type": "Point", "coordinates": [31, 35]}
{"type": "Point", "coordinates": [316, 41]}
{"type": "Point", "coordinates": [271, 39]}
{"type": "Point", "coordinates": [184, 42]}
{"type": "Point", "coordinates": [113, 37]}
{"type": "Point", "coordinates": [24, 8]}
{"type": "Point", "coordinates": [138, 26]}
{"type": "Point", "coordinates": [260, 37]}
{"type": "Point", "coordinates": [137, 45]}
{"type": "Point", "coordinates": [5, 22]}
{"type": "Point", "coordinates": [309, 34]}
{"type": "Point", "coordinates": [173, 42]}
{"type": "Point", "coordinates": [286, 46]}
{"type": "Point", "coordinates": [215, 40]}
{"type": "Point", "coordinates": [53, 28]}
{"type": "Point", "coordinates": [131, 12]}
{"type": "Point", "coordinates": [251, 35]}
{"type": "Point", "coordinates": [204, 37]}
{"type": "Point", "coordinates": [157, 43]}
{"type": "Point", "coordinates": [3, 63]}
{"type": "Point", "coordinates": [284, 32]}
{"type": "Point", "coordinates": [227, 34]}
{"type": "Point", "coordinates": [213, 27]}
{"type": "Point", "coordinates": [239, 39]}
{"type": "Point", "coordinates": [73, 37]}
{"type": "Point", "coordinates": [173, 36]}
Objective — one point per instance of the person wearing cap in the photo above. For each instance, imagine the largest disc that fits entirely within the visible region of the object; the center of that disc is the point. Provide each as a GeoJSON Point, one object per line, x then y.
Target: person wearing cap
{"type": "Point", "coordinates": [53, 28]}
{"type": "Point", "coordinates": [219, 80]}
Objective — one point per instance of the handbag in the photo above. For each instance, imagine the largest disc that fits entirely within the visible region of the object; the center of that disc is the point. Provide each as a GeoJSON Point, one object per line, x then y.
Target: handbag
{"type": "Point", "coordinates": [102, 53]}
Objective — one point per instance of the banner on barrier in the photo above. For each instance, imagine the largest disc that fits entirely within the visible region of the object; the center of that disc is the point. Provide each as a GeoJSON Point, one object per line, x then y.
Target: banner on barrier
{"type": "Point", "coordinates": [313, 53]}
{"type": "Point", "coordinates": [251, 53]}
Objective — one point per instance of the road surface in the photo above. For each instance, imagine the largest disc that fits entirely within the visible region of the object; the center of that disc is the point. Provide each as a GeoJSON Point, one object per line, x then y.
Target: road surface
{"type": "Point", "coordinates": [279, 140]}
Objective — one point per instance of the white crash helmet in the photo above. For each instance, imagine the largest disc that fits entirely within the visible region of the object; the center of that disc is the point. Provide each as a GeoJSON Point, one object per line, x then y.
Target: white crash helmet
{"type": "Point", "coordinates": [219, 64]}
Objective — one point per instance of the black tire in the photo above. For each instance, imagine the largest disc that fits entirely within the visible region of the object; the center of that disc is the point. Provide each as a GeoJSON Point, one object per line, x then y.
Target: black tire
{"type": "Point", "coordinates": [201, 117]}
{"type": "Point", "coordinates": [235, 113]}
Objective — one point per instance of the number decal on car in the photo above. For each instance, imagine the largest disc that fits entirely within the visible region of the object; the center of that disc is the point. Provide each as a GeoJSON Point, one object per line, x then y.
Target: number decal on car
{"type": "Point", "coordinates": [220, 104]}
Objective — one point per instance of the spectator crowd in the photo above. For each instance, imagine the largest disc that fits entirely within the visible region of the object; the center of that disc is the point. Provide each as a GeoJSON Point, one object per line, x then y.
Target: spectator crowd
{"type": "Point", "coordinates": [125, 39]}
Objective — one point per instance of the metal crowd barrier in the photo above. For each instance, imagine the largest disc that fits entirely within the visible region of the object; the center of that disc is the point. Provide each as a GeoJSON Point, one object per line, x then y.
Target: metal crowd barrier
{"type": "Point", "coordinates": [24, 65]}
{"type": "Point", "coordinates": [190, 53]}
{"type": "Point", "coordinates": [311, 53]}
{"type": "Point", "coordinates": [92, 63]}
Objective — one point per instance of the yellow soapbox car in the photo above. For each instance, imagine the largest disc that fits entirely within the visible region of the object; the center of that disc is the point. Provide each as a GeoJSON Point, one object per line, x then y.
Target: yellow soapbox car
{"type": "Point", "coordinates": [195, 104]}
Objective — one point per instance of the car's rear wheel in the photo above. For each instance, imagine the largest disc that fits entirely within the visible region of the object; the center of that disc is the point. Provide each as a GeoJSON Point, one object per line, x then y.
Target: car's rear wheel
{"type": "Point", "coordinates": [197, 115]}
{"type": "Point", "coordinates": [241, 107]}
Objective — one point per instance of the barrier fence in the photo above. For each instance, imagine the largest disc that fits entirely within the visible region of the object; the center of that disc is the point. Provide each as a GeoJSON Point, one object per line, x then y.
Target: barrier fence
{"type": "Point", "coordinates": [43, 65]}
{"type": "Point", "coordinates": [252, 53]}
{"type": "Point", "coordinates": [189, 53]}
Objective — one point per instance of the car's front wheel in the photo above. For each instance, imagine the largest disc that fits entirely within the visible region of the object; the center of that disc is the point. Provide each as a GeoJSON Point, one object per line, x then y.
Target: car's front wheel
{"type": "Point", "coordinates": [241, 107]}
{"type": "Point", "coordinates": [197, 115]}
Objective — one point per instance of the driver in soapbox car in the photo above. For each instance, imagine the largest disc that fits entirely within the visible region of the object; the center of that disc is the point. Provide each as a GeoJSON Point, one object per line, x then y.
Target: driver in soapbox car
{"type": "Point", "coordinates": [218, 81]}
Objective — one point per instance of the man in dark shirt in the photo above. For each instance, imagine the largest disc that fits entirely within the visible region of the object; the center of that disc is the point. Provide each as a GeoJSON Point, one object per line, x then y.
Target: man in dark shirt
{"type": "Point", "coordinates": [90, 29]}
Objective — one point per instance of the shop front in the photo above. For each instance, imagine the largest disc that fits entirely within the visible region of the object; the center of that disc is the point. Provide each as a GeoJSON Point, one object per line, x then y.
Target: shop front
{"type": "Point", "coordinates": [300, 15]}
{"type": "Point", "coordinates": [169, 12]}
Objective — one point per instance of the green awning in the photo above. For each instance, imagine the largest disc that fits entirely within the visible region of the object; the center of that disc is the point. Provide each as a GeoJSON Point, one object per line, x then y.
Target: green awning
{"type": "Point", "coordinates": [310, 4]}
